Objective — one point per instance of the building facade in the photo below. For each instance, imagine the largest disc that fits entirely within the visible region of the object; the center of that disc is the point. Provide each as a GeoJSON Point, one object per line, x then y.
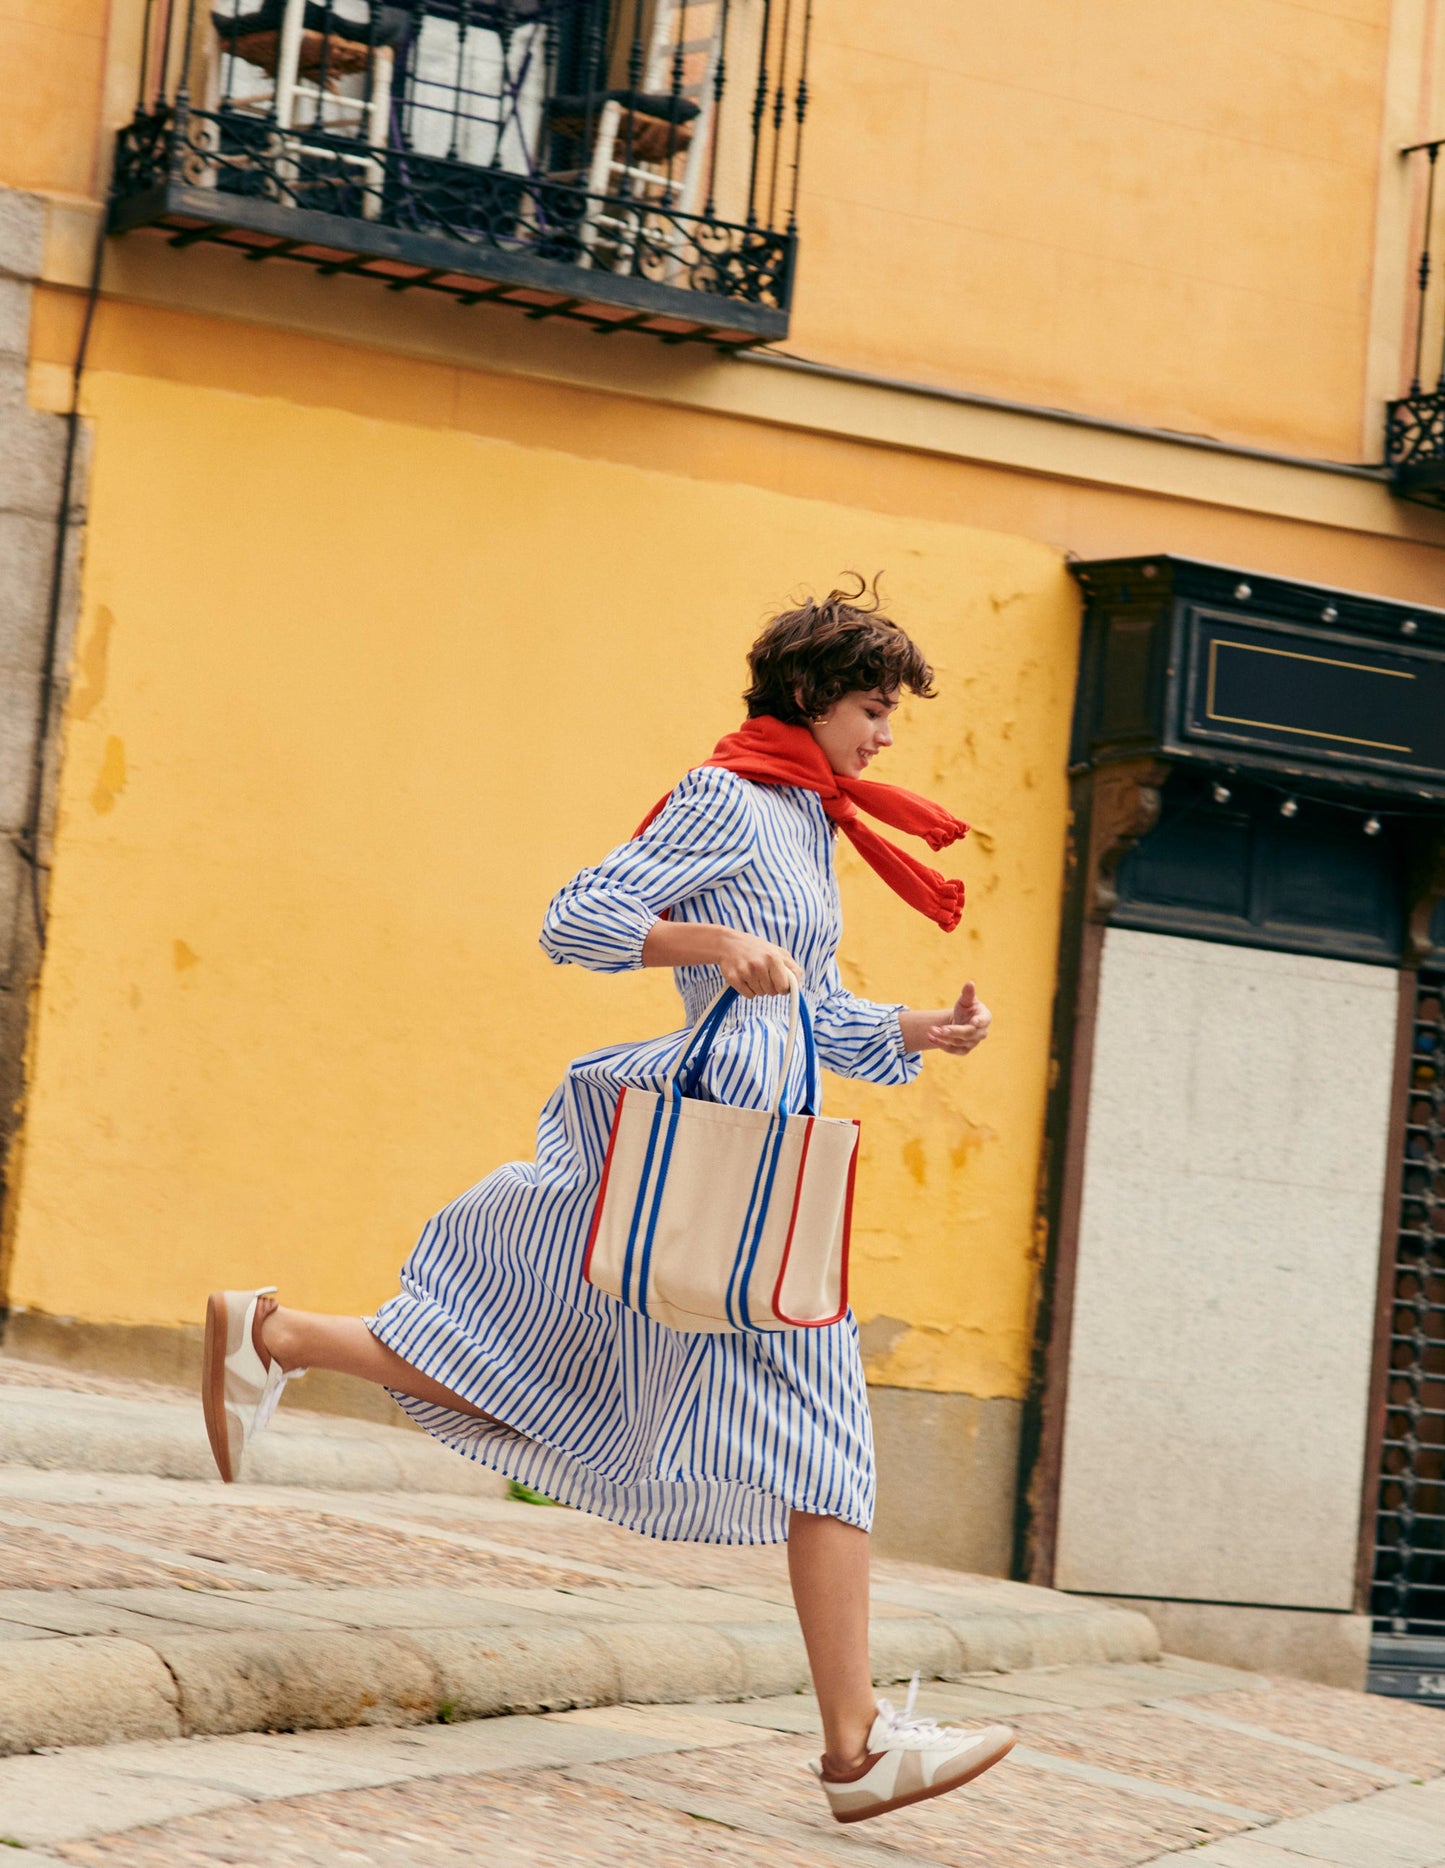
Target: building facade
{"type": "Point", "coordinates": [438, 397]}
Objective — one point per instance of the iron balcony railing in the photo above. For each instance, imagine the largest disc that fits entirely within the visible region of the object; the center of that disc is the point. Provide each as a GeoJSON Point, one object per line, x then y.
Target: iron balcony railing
{"type": "Point", "coordinates": [1415, 422]}
{"type": "Point", "coordinates": [632, 164]}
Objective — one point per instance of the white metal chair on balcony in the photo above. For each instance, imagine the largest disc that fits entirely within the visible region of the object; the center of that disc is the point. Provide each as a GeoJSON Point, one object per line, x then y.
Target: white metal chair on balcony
{"type": "Point", "coordinates": [650, 146]}
{"type": "Point", "coordinates": [310, 50]}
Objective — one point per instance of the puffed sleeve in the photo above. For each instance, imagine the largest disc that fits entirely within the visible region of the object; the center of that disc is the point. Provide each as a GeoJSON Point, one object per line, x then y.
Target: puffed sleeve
{"type": "Point", "coordinates": [703, 835]}
{"type": "Point", "coordinates": [859, 1038]}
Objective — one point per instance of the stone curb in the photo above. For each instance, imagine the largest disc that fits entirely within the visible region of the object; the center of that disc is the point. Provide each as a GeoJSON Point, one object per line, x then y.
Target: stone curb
{"type": "Point", "coordinates": [94, 1690]}
{"type": "Point", "coordinates": [60, 1431]}
{"type": "Point", "coordinates": [99, 1691]}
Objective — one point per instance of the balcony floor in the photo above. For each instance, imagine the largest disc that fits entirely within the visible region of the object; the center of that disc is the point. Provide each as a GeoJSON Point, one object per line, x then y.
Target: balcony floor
{"type": "Point", "coordinates": [472, 272]}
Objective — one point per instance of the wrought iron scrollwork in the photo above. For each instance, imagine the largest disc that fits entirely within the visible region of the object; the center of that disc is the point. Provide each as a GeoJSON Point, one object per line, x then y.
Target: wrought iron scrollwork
{"type": "Point", "coordinates": [497, 126]}
{"type": "Point", "coordinates": [1415, 445]}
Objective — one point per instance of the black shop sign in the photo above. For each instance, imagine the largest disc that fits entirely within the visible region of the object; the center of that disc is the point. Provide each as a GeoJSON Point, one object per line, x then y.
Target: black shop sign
{"type": "Point", "coordinates": [1313, 695]}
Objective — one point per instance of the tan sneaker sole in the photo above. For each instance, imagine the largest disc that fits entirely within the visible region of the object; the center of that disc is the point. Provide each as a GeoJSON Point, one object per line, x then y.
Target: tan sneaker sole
{"type": "Point", "coordinates": [220, 1327]}
{"type": "Point", "coordinates": [975, 1769]}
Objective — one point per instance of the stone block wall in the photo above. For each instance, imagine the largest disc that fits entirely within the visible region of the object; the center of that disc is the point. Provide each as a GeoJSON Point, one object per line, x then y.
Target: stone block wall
{"type": "Point", "coordinates": [32, 457]}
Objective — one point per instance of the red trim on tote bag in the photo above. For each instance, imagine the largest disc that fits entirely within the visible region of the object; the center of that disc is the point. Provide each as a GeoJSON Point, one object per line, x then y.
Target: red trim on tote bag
{"type": "Point", "coordinates": [816, 1323]}
{"type": "Point", "coordinates": [602, 1185]}
{"type": "Point", "coordinates": [848, 1210]}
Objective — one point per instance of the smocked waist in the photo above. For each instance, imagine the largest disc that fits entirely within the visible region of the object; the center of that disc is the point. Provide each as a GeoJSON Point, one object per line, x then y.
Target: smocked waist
{"type": "Point", "coordinates": [771, 1008]}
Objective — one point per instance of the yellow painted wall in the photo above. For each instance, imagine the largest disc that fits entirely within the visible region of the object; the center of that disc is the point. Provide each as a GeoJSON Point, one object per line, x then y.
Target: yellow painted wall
{"type": "Point", "coordinates": [1153, 211]}
{"type": "Point", "coordinates": [375, 650]}
{"type": "Point", "coordinates": [53, 55]}
{"type": "Point", "coordinates": [352, 698]}
{"type": "Point", "coordinates": [1161, 213]}
{"type": "Point", "coordinates": [1391, 548]}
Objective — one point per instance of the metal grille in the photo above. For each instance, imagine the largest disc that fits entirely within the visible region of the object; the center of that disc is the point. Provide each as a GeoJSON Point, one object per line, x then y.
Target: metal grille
{"type": "Point", "coordinates": [1408, 1600]}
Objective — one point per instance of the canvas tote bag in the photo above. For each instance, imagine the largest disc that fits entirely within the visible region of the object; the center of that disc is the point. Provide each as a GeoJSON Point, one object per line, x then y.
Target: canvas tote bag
{"type": "Point", "coordinates": [712, 1218]}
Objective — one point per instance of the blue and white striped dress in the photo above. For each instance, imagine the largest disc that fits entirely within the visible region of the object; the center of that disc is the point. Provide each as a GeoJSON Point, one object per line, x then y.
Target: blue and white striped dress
{"type": "Point", "coordinates": [711, 1439]}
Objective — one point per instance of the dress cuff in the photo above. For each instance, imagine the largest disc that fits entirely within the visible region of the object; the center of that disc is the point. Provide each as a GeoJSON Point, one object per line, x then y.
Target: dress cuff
{"type": "Point", "coordinates": [909, 1062]}
{"type": "Point", "coordinates": [635, 938]}
{"type": "Point", "coordinates": [602, 932]}
{"type": "Point", "coordinates": [632, 921]}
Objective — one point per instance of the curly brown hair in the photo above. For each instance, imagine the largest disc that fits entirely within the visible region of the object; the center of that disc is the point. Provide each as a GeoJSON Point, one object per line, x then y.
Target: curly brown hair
{"type": "Point", "coordinates": [808, 658]}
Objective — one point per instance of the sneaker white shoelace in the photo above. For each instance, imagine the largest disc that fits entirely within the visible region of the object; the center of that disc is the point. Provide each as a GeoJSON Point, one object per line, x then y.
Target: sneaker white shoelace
{"type": "Point", "coordinates": [908, 1732]}
{"type": "Point", "coordinates": [276, 1380]}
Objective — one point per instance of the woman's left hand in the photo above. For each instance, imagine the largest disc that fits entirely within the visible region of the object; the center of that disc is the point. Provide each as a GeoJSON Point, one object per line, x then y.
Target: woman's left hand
{"type": "Point", "coordinates": [965, 1028]}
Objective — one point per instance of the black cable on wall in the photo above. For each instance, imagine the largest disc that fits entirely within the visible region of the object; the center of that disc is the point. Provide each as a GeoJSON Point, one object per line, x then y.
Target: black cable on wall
{"type": "Point", "coordinates": [28, 838]}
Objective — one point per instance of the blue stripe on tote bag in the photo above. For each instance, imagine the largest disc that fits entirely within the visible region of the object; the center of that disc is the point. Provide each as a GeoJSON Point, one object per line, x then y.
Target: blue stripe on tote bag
{"type": "Point", "coordinates": [713, 1218]}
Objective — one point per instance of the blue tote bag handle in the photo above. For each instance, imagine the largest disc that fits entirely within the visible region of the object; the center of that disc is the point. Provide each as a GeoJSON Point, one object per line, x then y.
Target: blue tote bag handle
{"type": "Point", "coordinates": [685, 1074]}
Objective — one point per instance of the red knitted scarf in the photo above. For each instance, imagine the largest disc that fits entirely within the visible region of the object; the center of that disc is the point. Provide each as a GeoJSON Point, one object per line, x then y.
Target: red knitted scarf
{"type": "Point", "coordinates": [771, 752]}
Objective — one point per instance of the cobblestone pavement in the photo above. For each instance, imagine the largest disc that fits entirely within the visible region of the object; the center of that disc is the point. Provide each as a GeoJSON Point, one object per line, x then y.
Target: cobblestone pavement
{"type": "Point", "coordinates": [109, 1531]}
{"type": "Point", "coordinates": [142, 1600]}
{"type": "Point", "coordinates": [1116, 1767]}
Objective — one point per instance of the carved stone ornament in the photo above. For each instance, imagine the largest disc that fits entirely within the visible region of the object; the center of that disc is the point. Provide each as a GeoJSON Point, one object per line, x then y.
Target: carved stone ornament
{"type": "Point", "coordinates": [1124, 807]}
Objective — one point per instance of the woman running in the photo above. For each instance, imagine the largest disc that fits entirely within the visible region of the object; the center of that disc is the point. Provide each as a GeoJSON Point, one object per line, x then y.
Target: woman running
{"type": "Point", "coordinates": [497, 1346]}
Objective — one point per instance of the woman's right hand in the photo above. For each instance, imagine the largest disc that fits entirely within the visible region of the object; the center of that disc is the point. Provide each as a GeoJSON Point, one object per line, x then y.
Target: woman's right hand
{"type": "Point", "coordinates": [755, 967]}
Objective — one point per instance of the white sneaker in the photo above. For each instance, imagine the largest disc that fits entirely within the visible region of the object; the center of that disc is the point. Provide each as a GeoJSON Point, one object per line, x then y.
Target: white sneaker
{"type": "Point", "coordinates": [239, 1392]}
{"type": "Point", "coordinates": [909, 1759]}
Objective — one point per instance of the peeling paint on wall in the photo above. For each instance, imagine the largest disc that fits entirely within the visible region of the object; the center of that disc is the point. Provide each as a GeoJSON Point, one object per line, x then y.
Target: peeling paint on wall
{"type": "Point", "coordinates": [880, 1335]}
{"type": "Point", "coordinates": [92, 667]}
{"type": "Point", "coordinates": [110, 782]}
